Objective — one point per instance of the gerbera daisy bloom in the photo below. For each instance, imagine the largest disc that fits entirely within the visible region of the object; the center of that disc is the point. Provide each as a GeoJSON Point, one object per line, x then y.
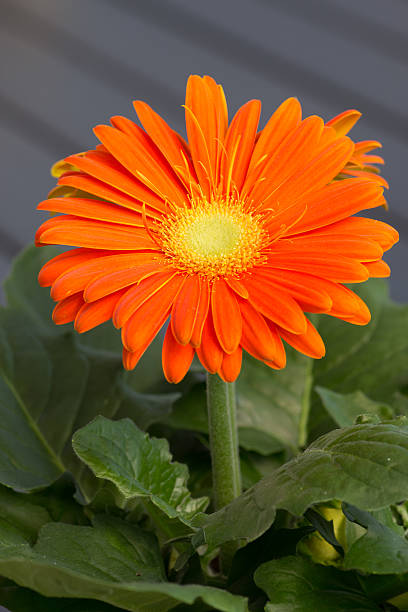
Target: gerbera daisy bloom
{"type": "Point", "coordinates": [234, 235]}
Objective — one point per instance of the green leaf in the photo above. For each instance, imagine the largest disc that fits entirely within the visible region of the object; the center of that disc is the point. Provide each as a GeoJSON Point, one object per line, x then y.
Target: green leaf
{"type": "Point", "coordinates": [294, 584]}
{"type": "Point", "coordinates": [50, 385]}
{"type": "Point", "coordinates": [114, 561]}
{"type": "Point", "coordinates": [138, 465]}
{"type": "Point", "coordinates": [344, 409]}
{"type": "Point", "coordinates": [372, 358]}
{"type": "Point", "coordinates": [381, 550]}
{"type": "Point", "coordinates": [365, 465]}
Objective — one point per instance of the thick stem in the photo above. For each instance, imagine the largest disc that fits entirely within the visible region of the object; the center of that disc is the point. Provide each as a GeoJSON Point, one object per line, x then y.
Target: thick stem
{"type": "Point", "coordinates": [222, 426]}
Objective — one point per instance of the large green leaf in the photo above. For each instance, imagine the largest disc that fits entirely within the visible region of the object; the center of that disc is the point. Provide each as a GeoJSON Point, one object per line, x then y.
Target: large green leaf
{"type": "Point", "coordinates": [344, 409]}
{"type": "Point", "coordinates": [294, 584]}
{"type": "Point", "coordinates": [113, 561]}
{"type": "Point", "coordinates": [365, 465]}
{"type": "Point", "coordinates": [373, 358]}
{"type": "Point", "coordinates": [139, 466]}
{"type": "Point", "coordinates": [49, 387]}
{"type": "Point", "coordinates": [18, 599]}
{"type": "Point", "coordinates": [381, 550]}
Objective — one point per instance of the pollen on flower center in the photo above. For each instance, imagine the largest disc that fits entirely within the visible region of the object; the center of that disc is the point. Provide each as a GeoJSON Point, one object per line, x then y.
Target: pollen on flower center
{"type": "Point", "coordinates": [215, 238]}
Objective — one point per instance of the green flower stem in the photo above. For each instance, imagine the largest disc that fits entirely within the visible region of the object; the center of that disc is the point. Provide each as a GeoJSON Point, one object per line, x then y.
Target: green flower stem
{"type": "Point", "coordinates": [222, 426]}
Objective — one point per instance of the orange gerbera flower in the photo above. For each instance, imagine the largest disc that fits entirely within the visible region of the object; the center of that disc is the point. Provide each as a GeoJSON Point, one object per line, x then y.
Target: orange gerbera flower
{"type": "Point", "coordinates": [234, 235]}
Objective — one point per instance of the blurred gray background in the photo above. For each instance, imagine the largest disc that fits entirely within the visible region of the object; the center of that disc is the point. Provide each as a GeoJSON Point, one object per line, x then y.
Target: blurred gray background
{"type": "Point", "coordinates": [67, 65]}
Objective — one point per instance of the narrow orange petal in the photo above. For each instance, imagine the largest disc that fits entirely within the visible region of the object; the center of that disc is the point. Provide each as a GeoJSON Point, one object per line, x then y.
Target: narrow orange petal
{"type": "Point", "coordinates": [73, 231]}
{"type": "Point", "coordinates": [66, 310]}
{"type": "Point", "coordinates": [283, 121]}
{"type": "Point", "coordinates": [176, 358]}
{"type": "Point", "coordinates": [378, 269]}
{"type": "Point", "coordinates": [63, 262]}
{"type": "Point", "coordinates": [289, 158]}
{"type": "Point", "coordinates": [136, 158]}
{"type": "Point", "coordinates": [360, 227]}
{"type": "Point", "coordinates": [143, 292]}
{"type": "Point", "coordinates": [336, 202]}
{"type": "Point", "coordinates": [205, 125]}
{"type": "Point", "coordinates": [356, 247]}
{"type": "Point", "coordinates": [93, 314]}
{"type": "Point", "coordinates": [309, 343]}
{"type": "Point", "coordinates": [143, 325]}
{"type": "Point", "coordinates": [226, 316]}
{"type": "Point", "coordinates": [316, 173]}
{"type": "Point", "coordinates": [185, 308]}
{"type": "Point", "coordinates": [339, 269]}
{"type": "Point", "coordinates": [166, 140]}
{"type": "Point", "coordinates": [276, 305]}
{"type": "Point", "coordinates": [360, 316]}
{"type": "Point", "coordinates": [231, 366]}
{"type": "Point", "coordinates": [202, 312]}
{"type": "Point", "coordinates": [305, 289]}
{"type": "Point", "coordinates": [237, 286]}
{"type": "Point", "coordinates": [105, 168]}
{"type": "Point", "coordinates": [210, 352]}
{"type": "Point", "coordinates": [94, 186]}
{"type": "Point", "coordinates": [119, 279]}
{"type": "Point", "coordinates": [345, 121]}
{"type": "Point", "coordinates": [258, 339]}
{"type": "Point", "coordinates": [93, 209]}
{"type": "Point", "coordinates": [239, 145]}
{"type": "Point", "coordinates": [77, 277]}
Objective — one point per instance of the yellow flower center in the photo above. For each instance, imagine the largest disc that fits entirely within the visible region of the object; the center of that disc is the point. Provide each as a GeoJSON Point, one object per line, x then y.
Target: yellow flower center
{"type": "Point", "coordinates": [215, 239]}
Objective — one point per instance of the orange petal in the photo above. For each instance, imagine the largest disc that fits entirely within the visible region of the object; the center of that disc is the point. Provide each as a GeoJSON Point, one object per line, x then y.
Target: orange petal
{"type": "Point", "coordinates": [335, 202]}
{"type": "Point", "coordinates": [202, 312]}
{"type": "Point", "coordinates": [92, 315]}
{"type": "Point", "coordinates": [135, 297]}
{"type": "Point", "coordinates": [77, 278]}
{"type": "Point", "coordinates": [105, 168]}
{"type": "Point", "coordinates": [360, 316]}
{"type": "Point", "coordinates": [237, 286]}
{"type": "Point", "coordinates": [378, 269]}
{"type": "Point", "coordinates": [304, 288]}
{"type": "Point", "coordinates": [209, 352]}
{"type": "Point", "coordinates": [205, 125]}
{"type": "Point", "coordinates": [185, 308]}
{"type": "Point", "coordinates": [136, 158]}
{"type": "Point", "coordinates": [239, 145]}
{"type": "Point", "coordinates": [258, 339]}
{"type": "Point", "coordinates": [166, 140]}
{"type": "Point", "coordinates": [226, 316]}
{"type": "Point", "coordinates": [93, 209]}
{"type": "Point", "coordinates": [92, 185]}
{"type": "Point", "coordinates": [176, 358]}
{"type": "Point", "coordinates": [283, 121]}
{"type": "Point", "coordinates": [345, 121]}
{"type": "Point", "coordinates": [119, 279]}
{"type": "Point", "coordinates": [231, 366]}
{"type": "Point", "coordinates": [289, 158]}
{"type": "Point", "coordinates": [276, 305]}
{"type": "Point", "coordinates": [361, 227]}
{"type": "Point", "coordinates": [309, 343]}
{"type": "Point", "coordinates": [63, 262]}
{"type": "Point", "coordinates": [316, 173]}
{"type": "Point", "coordinates": [356, 247]}
{"type": "Point", "coordinates": [143, 325]}
{"type": "Point", "coordinates": [66, 310]}
{"type": "Point", "coordinates": [339, 268]}
{"type": "Point", "coordinates": [73, 231]}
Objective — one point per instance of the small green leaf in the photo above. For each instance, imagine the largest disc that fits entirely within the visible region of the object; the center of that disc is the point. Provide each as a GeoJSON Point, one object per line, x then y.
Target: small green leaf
{"type": "Point", "coordinates": [366, 465]}
{"type": "Point", "coordinates": [381, 550]}
{"type": "Point", "coordinates": [114, 561]}
{"type": "Point", "coordinates": [294, 584]}
{"type": "Point", "coordinates": [138, 465]}
{"type": "Point", "coordinates": [344, 409]}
